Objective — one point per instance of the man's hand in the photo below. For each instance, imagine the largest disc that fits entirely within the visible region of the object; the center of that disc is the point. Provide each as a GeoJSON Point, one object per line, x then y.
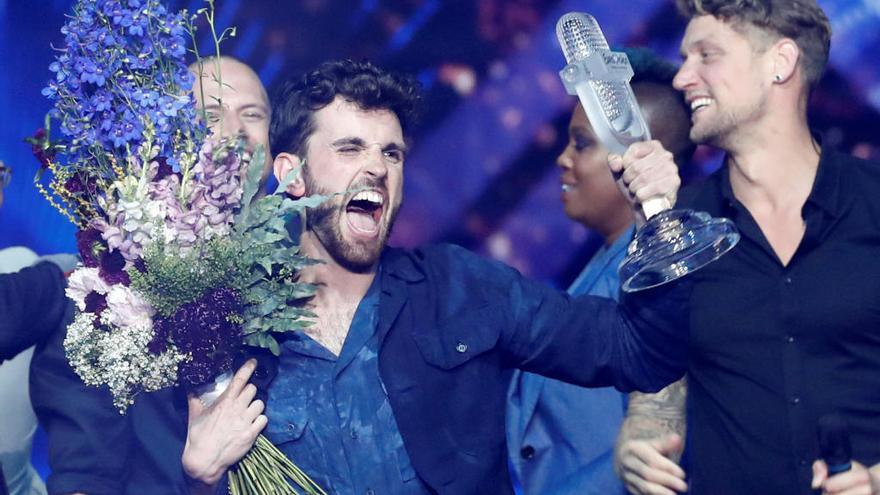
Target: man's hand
{"type": "Point", "coordinates": [220, 435]}
{"type": "Point", "coordinates": [647, 466]}
{"type": "Point", "coordinates": [647, 171]}
{"type": "Point", "coordinates": [857, 481]}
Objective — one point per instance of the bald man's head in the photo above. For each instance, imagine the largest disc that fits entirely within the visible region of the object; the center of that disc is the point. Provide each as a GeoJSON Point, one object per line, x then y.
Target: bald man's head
{"type": "Point", "coordinates": [238, 106]}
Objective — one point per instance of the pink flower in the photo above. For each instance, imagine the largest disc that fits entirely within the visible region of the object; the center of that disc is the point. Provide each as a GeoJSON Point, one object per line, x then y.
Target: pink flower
{"type": "Point", "coordinates": [82, 282]}
{"type": "Point", "coordinates": [127, 308]}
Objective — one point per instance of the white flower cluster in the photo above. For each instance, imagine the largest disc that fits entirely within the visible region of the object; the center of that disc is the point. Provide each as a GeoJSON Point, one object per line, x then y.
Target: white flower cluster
{"type": "Point", "coordinates": [120, 358]}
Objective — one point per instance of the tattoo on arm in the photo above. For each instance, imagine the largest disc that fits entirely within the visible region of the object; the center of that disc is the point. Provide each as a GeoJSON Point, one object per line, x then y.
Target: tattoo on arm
{"type": "Point", "coordinates": [652, 416]}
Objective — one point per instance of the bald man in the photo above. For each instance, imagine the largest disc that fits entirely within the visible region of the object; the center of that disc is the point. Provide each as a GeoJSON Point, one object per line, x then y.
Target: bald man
{"type": "Point", "coordinates": [94, 450]}
{"type": "Point", "coordinates": [234, 102]}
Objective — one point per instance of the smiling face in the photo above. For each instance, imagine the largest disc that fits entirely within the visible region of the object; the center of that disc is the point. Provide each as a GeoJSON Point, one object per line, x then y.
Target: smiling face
{"type": "Point", "coordinates": [724, 78]}
{"type": "Point", "coordinates": [589, 193]}
{"type": "Point", "coordinates": [238, 107]}
{"type": "Point", "coordinates": [358, 155]}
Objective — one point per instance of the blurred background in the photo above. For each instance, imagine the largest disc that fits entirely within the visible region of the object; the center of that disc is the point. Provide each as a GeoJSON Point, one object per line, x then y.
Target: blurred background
{"type": "Point", "coordinates": [482, 171]}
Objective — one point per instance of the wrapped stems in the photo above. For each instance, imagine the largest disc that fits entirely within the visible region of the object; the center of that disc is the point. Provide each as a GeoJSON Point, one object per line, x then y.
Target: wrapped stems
{"type": "Point", "coordinates": [265, 470]}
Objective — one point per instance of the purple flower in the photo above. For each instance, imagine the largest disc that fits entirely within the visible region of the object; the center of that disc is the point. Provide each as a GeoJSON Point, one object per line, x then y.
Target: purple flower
{"type": "Point", "coordinates": [163, 170]}
{"type": "Point", "coordinates": [90, 245]}
{"type": "Point", "coordinates": [112, 268]}
{"type": "Point", "coordinates": [77, 187]}
{"type": "Point", "coordinates": [159, 343]}
{"type": "Point", "coordinates": [203, 329]}
{"type": "Point", "coordinates": [41, 148]}
{"type": "Point", "coordinates": [96, 302]}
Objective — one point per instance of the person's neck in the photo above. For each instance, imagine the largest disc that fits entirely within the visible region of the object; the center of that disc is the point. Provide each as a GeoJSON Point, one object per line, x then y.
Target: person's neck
{"type": "Point", "coordinates": [613, 233]}
{"type": "Point", "coordinates": [335, 282]}
{"type": "Point", "coordinates": [774, 163]}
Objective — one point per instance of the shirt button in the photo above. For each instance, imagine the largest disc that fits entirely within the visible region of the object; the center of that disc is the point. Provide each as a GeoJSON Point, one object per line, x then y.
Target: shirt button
{"type": "Point", "coordinates": [795, 400]}
{"type": "Point", "coordinates": [803, 462]}
{"type": "Point", "coordinates": [353, 434]}
{"type": "Point", "coordinates": [461, 347]}
{"type": "Point", "coordinates": [291, 426]}
{"type": "Point", "coordinates": [787, 280]}
{"type": "Point", "coordinates": [527, 452]}
{"type": "Point", "coordinates": [789, 339]}
{"type": "Point", "coordinates": [369, 492]}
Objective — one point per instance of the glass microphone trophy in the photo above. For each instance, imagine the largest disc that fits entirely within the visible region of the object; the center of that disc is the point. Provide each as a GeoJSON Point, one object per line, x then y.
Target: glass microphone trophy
{"type": "Point", "coordinates": [672, 243]}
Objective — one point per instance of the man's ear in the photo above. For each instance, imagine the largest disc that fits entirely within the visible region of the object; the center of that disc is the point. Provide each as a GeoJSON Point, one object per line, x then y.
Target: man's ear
{"type": "Point", "coordinates": [785, 59]}
{"type": "Point", "coordinates": [283, 164]}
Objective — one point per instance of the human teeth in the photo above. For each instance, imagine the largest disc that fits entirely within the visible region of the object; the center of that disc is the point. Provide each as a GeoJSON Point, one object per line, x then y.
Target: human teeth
{"type": "Point", "coordinates": [698, 103]}
{"type": "Point", "coordinates": [371, 196]}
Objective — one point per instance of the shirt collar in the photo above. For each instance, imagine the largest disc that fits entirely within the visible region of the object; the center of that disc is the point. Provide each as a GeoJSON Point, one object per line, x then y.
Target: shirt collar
{"type": "Point", "coordinates": [825, 193]}
{"type": "Point", "coordinates": [398, 263]}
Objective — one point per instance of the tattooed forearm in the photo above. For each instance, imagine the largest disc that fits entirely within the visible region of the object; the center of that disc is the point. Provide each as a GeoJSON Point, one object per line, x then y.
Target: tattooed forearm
{"type": "Point", "coordinates": [652, 416]}
{"type": "Point", "coordinates": [668, 403]}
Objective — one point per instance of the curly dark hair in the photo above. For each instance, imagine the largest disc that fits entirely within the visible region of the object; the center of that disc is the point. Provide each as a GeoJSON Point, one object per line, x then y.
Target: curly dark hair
{"type": "Point", "coordinates": [800, 20]}
{"type": "Point", "coordinates": [370, 87]}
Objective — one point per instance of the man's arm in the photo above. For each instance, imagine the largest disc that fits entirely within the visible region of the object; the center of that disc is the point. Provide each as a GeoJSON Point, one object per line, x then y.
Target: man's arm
{"type": "Point", "coordinates": [651, 441]}
{"type": "Point", "coordinates": [89, 441]}
{"type": "Point", "coordinates": [32, 305]}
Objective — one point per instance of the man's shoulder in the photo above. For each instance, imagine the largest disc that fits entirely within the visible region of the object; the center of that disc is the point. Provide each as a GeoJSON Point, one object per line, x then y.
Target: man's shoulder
{"type": "Point", "coordinates": [703, 193]}
{"type": "Point", "coordinates": [862, 169]}
{"type": "Point", "coordinates": [450, 269]}
{"type": "Point", "coordinates": [447, 257]}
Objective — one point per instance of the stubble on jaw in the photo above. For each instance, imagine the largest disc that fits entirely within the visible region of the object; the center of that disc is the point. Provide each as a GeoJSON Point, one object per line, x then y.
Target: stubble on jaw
{"type": "Point", "coordinates": [325, 222]}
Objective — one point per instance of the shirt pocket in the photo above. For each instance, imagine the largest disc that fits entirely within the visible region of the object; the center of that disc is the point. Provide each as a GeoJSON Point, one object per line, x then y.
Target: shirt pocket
{"type": "Point", "coordinates": [287, 424]}
{"type": "Point", "coordinates": [457, 340]}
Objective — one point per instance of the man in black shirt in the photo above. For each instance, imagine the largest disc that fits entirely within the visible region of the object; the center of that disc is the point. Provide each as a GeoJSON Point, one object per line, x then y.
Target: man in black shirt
{"type": "Point", "coordinates": [786, 327]}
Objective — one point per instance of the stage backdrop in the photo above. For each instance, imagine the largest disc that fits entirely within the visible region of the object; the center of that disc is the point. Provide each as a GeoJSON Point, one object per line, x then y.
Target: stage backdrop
{"type": "Point", "coordinates": [482, 170]}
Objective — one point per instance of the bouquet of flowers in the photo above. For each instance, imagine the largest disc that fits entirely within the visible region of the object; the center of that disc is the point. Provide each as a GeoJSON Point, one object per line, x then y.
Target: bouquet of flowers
{"type": "Point", "coordinates": [182, 266]}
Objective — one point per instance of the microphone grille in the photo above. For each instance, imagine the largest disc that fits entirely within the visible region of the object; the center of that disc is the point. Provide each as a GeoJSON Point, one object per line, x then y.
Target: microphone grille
{"type": "Point", "coordinates": [580, 35]}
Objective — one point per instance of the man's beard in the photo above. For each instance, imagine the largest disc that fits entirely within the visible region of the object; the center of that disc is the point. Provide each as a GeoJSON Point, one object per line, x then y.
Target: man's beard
{"type": "Point", "coordinates": [325, 221]}
{"type": "Point", "coordinates": [718, 131]}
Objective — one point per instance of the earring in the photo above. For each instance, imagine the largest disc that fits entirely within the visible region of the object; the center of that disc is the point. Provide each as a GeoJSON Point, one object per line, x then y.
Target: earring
{"type": "Point", "coordinates": [778, 78]}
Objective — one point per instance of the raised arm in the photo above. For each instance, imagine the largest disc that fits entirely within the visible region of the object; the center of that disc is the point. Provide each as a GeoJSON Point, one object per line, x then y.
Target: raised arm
{"type": "Point", "coordinates": [651, 441]}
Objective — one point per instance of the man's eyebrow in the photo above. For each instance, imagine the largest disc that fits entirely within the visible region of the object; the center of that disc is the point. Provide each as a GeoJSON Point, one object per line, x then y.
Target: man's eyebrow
{"type": "Point", "coordinates": [396, 147]}
{"type": "Point", "coordinates": [258, 106]}
{"type": "Point", "coordinates": [349, 140]}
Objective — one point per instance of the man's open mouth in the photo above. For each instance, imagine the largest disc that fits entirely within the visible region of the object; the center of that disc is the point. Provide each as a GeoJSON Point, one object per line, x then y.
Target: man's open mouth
{"type": "Point", "coordinates": [364, 211]}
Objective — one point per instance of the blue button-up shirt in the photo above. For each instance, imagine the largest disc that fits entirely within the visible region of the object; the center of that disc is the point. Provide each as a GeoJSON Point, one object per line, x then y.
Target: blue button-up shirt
{"type": "Point", "coordinates": [561, 437]}
{"type": "Point", "coordinates": [331, 414]}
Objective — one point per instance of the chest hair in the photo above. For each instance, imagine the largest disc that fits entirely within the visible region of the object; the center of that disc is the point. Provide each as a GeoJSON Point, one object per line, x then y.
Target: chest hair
{"type": "Point", "coordinates": [332, 325]}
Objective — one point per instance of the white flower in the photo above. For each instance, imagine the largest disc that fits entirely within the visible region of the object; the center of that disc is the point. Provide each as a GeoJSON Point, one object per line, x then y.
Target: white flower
{"type": "Point", "coordinates": [127, 308]}
{"type": "Point", "coordinates": [82, 282]}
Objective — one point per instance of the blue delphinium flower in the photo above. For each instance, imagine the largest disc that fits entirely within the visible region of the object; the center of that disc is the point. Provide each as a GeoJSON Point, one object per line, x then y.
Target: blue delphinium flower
{"type": "Point", "coordinates": [121, 72]}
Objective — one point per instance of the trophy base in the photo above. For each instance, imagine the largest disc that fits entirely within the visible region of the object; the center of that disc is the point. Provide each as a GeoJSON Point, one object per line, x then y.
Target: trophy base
{"type": "Point", "coordinates": [672, 244]}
